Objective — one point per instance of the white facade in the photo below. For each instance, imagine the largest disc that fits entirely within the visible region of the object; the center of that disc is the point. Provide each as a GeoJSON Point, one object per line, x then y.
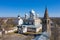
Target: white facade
{"type": "Point", "coordinates": [31, 24]}
{"type": "Point", "coordinates": [20, 21]}
{"type": "Point", "coordinates": [39, 28]}
{"type": "Point", "coordinates": [24, 29]}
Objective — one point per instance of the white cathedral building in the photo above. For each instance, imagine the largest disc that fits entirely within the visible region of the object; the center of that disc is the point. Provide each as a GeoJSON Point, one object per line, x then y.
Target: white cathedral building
{"type": "Point", "coordinates": [33, 24]}
{"type": "Point", "coordinates": [30, 24]}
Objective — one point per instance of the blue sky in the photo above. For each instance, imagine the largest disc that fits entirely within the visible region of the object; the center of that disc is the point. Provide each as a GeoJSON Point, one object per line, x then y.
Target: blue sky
{"type": "Point", "coordinates": [11, 8]}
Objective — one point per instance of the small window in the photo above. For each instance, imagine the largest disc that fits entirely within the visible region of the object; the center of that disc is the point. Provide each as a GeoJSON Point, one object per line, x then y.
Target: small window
{"type": "Point", "coordinates": [26, 22]}
{"type": "Point", "coordinates": [48, 21]}
{"type": "Point", "coordinates": [51, 24]}
{"type": "Point", "coordinates": [30, 22]}
{"type": "Point", "coordinates": [45, 21]}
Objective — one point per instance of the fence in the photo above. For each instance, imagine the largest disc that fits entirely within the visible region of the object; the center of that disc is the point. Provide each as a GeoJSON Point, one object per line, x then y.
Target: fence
{"type": "Point", "coordinates": [10, 31]}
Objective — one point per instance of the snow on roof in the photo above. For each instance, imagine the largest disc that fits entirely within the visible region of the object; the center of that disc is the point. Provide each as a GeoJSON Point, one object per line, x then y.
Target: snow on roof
{"type": "Point", "coordinates": [32, 26]}
{"type": "Point", "coordinates": [43, 36]}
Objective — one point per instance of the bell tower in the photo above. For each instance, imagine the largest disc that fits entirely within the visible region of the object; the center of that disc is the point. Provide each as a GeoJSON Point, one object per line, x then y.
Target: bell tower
{"type": "Point", "coordinates": [46, 23]}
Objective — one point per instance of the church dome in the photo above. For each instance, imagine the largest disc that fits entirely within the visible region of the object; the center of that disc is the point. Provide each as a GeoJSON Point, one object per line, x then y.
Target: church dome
{"type": "Point", "coordinates": [32, 11]}
{"type": "Point", "coordinates": [26, 14]}
{"type": "Point", "coordinates": [19, 17]}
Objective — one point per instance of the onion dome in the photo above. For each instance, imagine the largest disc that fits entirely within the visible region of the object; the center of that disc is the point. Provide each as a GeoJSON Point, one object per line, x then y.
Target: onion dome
{"type": "Point", "coordinates": [26, 14]}
{"type": "Point", "coordinates": [19, 17]}
{"type": "Point", "coordinates": [32, 11]}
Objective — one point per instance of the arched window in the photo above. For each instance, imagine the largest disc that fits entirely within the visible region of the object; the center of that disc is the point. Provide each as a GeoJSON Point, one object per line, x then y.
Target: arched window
{"type": "Point", "coordinates": [48, 21]}
{"type": "Point", "coordinates": [30, 22]}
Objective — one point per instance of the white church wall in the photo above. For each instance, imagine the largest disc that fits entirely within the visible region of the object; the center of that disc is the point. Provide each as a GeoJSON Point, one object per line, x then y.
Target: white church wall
{"type": "Point", "coordinates": [20, 22]}
{"type": "Point", "coordinates": [24, 29]}
{"type": "Point", "coordinates": [38, 29]}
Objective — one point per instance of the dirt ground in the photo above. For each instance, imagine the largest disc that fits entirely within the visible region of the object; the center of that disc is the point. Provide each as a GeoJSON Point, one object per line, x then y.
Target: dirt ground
{"type": "Point", "coordinates": [15, 36]}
